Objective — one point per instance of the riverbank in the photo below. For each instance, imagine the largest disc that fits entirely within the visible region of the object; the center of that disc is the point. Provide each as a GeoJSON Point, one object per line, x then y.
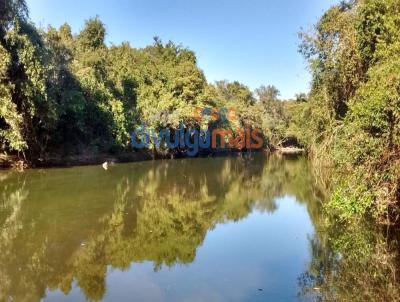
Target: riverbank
{"type": "Point", "coordinates": [87, 159]}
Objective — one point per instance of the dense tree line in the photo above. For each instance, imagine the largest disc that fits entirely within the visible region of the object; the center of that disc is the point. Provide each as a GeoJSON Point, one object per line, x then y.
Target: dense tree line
{"type": "Point", "coordinates": [64, 93]}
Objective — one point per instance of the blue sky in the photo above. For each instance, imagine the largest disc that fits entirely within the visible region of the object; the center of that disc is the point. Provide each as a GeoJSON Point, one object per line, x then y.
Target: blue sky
{"type": "Point", "coordinates": [252, 41]}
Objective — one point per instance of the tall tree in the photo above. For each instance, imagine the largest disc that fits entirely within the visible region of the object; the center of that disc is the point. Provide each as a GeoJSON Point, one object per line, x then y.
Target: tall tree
{"type": "Point", "coordinates": [267, 94]}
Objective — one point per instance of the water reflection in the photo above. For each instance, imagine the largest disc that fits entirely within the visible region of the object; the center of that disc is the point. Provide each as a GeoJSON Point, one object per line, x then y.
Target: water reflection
{"type": "Point", "coordinates": [356, 262]}
{"type": "Point", "coordinates": [64, 229]}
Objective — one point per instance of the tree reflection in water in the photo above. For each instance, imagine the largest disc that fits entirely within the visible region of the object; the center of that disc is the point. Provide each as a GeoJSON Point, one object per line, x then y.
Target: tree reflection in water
{"type": "Point", "coordinates": [66, 226]}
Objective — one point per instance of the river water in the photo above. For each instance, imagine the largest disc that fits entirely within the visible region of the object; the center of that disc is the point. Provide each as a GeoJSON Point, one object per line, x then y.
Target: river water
{"type": "Point", "coordinates": [204, 229]}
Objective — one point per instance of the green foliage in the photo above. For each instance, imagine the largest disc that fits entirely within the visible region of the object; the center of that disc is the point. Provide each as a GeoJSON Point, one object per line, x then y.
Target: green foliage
{"type": "Point", "coordinates": [93, 35]}
{"type": "Point", "coordinates": [12, 121]}
{"type": "Point", "coordinates": [334, 58]}
{"type": "Point", "coordinates": [27, 114]}
{"type": "Point", "coordinates": [354, 105]}
{"type": "Point", "coordinates": [9, 11]}
{"type": "Point", "coordinates": [170, 85]}
{"type": "Point", "coordinates": [239, 97]}
{"type": "Point", "coordinates": [65, 93]}
{"type": "Point", "coordinates": [267, 94]}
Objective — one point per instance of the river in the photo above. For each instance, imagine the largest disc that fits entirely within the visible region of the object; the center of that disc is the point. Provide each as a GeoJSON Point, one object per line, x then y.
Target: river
{"type": "Point", "coordinates": [203, 229]}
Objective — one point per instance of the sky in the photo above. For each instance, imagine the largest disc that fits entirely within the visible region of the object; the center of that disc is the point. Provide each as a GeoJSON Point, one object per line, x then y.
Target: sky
{"type": "Point", "coordinates": [252, 41]}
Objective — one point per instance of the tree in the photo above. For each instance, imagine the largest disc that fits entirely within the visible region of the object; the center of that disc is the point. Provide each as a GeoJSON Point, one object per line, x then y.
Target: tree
{"type": "Point", "coordinates": [267, 94]}
{"type": "Point", "coordinates": [9, 11]}
{"type": "Point", "coordinates": [93, 35]}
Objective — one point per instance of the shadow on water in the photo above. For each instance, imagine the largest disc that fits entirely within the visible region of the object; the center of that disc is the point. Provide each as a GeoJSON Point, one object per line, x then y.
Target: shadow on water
{"type": "Point", "coordinates": [63, 229]}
